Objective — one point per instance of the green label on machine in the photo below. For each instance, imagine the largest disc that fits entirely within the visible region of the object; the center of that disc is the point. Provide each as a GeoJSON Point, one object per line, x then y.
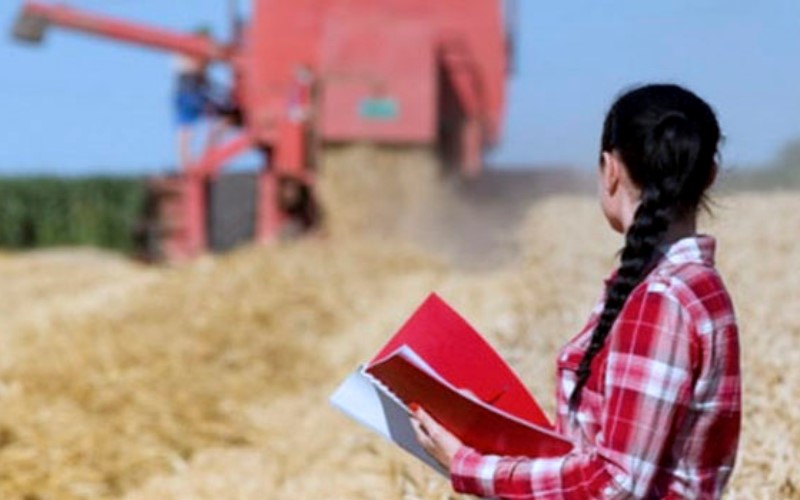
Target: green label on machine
{"type": "Point", "coordinates": [383, 108]}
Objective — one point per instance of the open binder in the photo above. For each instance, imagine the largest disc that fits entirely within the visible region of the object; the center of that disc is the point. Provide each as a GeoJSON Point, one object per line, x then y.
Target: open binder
{"type": "Point", "coordinates": [440, 362]}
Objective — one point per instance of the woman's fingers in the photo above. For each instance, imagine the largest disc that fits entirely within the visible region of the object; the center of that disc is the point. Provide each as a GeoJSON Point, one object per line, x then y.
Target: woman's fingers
{"type": "Point", "coordinates": [424, 428]}
{"type": "Point", "coordinates": [434, 439]}
{"type": "Point", "coordinates": [420, 421]}
{"type": "Point", "coordinates": [422, 436]}
{"type": "Point", "coordinates": [425, 439]}
{"type": "Point", "coordinates": [428, 423]}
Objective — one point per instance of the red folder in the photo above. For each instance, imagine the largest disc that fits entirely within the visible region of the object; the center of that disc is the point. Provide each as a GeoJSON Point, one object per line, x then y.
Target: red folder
{"type": "Point", "coordinates": [499, 417]}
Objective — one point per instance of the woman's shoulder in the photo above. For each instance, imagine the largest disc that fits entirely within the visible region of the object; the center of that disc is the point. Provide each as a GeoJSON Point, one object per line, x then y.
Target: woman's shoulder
{"type": "Point", "coordinates": [689, 281]}
{"type": "Point", "coordinates": [688, 271]}
{"type": "Point", "coordinates": [697, 291]}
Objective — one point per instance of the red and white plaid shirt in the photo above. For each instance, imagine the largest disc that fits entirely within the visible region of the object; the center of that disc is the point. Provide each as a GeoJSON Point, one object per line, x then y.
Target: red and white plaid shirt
{"type": "Point", "coordinates": [659, 416]}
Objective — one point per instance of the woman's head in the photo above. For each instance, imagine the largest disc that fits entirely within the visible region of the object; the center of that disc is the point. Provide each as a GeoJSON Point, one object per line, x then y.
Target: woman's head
{"type": "Point", "coordinates": [657, 159]}
{"type": "Point", "coordinates": [666, 139]}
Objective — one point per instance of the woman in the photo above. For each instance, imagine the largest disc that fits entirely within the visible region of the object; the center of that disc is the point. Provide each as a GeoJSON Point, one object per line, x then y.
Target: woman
{"type": "Point", "coordinates": [649, 390]}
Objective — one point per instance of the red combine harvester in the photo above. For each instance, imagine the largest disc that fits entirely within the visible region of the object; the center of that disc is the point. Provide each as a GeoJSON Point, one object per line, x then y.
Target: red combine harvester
{"type": "Point", "coordinates": [309, 73]}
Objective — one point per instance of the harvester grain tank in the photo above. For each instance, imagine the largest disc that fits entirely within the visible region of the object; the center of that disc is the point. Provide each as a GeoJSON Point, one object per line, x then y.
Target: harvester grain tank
{"type": "Point", "coordinates": [311, 73]}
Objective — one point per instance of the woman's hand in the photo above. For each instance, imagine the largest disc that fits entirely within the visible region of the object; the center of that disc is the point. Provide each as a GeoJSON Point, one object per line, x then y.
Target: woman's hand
{"type": "Point", "coordinates": [435, 439]}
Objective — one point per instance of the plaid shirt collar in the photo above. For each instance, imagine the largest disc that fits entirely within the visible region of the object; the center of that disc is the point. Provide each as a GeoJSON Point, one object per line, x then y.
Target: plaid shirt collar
{"type": "Point", "coordinates": [698, 249]}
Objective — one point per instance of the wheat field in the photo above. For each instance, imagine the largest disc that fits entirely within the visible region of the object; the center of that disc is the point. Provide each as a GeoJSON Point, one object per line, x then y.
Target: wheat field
{"type": "Point", "coordinates": [210, 380]}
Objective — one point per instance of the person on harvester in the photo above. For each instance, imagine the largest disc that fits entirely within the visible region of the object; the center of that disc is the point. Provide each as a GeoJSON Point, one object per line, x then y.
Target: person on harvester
{"type": "Point", "coordinates": [197, 97]}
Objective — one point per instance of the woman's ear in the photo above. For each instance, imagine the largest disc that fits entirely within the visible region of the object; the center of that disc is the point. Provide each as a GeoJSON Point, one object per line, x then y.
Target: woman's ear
{"type": "Point", "coordinates": [609, 172]}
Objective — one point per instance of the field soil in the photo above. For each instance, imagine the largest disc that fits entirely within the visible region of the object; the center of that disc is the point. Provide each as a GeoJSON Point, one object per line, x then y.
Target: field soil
{"type": "Point", "coordinates": [210, 380]}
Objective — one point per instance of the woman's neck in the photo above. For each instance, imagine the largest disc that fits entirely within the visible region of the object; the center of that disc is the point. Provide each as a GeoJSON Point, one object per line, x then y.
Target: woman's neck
{"type": "Point", "coordinates": [681, 228]}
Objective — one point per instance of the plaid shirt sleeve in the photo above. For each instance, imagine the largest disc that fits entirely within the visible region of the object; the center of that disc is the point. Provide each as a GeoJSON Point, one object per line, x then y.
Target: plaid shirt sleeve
{"type": "Point", "coordinates": [646, 384]}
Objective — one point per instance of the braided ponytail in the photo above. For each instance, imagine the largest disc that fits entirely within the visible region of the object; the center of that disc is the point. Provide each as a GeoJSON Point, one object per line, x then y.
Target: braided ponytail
{"type": "Point", "coordinates": [667, 138]}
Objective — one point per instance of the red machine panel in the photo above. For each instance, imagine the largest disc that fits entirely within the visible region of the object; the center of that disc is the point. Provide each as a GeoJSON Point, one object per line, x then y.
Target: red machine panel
{"type": "Point", "coordinates": [370, 58]}
{"type": "Point", "coordinates": [378, 80]}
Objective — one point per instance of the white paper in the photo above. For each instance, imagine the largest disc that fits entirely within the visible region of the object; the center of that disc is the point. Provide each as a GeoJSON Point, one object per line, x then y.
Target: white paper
{"type": "Point", "coordinates": [366, 401]}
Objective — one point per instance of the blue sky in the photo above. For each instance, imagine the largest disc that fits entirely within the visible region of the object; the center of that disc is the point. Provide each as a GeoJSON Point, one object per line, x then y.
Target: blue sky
{"type": "Point", "coordinates": [77, 105]}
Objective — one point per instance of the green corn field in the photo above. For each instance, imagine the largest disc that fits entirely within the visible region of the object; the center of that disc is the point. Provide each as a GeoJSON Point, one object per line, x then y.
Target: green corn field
{"type": "Point", "coordinates": [48, 211]}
